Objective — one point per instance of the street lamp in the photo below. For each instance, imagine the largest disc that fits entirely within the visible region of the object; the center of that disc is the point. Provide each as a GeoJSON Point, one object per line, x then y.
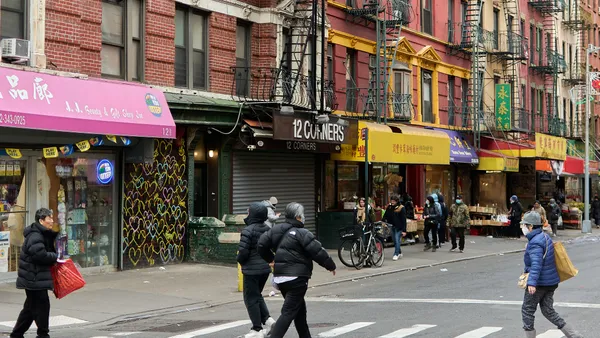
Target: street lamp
{"type": "Point", "coordinates": [587, 225]}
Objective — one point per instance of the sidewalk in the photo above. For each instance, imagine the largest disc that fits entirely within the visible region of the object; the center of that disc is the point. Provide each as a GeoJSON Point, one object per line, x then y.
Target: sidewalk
{"type": "Point", "coordinates": [185, 287]}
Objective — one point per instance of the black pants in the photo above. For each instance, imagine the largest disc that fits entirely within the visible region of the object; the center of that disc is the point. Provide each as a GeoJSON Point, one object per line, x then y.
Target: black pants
{"type": "Point", "coordinates": [461, 235]}
{"type": "Point", "coordinates": [293, 309]}
{"type": "Point", "coordinates": [442, 232]}
{"type": "Point", "coordinates": [255, 303]}
{"type": "Point", "coordinates": [433, 228]}
{"type": "Point", "coordinates": [36, 308]}
{"type": "Point", "coordinates": [544, 296]}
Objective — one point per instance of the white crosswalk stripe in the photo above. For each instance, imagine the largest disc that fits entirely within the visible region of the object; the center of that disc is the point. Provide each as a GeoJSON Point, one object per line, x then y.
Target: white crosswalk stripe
{"type": "Point", "coordinates": [345, 329]}
{"type": "Point", "coordinates": [408, 331]}
{"type": "Point", "coordinates": [55, 321]}
{"type": "Point", "coordinates": [213, 329]}
{"type": "Point", "coordinates": [551, 334]}
{"type": "Point", "coordinates": [480, 332]}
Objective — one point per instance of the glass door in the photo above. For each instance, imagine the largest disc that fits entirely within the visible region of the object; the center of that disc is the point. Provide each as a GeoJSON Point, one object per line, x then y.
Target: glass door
{"type": "Point", "coordinates": [13, 211]}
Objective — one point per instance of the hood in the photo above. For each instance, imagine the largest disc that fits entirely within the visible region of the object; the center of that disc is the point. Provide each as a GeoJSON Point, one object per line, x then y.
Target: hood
{"type": "Point", "coordinates": [37, 227]}
{"type": "Point", "coordinates": [435, 197]}
{"type": "Point", "coordinates": [294, 223]}
{"type": "Point", "coordinates": [257, 214]}
{"type": "Point", "coordinates": [440, 198]}
{"type": "Point", "coordinates": [431, 199]}
{"type": "Point", "coordinates": [514, 198]}
{"type": "Point", "coordinates": [268, 204]}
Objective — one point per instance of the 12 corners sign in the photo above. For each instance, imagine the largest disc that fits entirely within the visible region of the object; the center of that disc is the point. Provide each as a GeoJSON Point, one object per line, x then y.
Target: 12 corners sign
{"type": "Point", "coordinates": [303, 127]}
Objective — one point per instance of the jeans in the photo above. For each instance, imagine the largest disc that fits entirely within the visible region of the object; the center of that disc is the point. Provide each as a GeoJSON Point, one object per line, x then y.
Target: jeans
{"type": "Point", "coordinates": [255, 303]}
{"type": "Point", "coordinates": [397, 235]}
{"type": "Point", "coordinates": [36, 308]}
{"type": "Point", "coordinates": [461, 234]}
{"type": "Point", "coordinates": [433, 227]}
{"type": "Point", "coordinates": [544, 296]}
{"type": "Point", "coordinates": [293, 309]}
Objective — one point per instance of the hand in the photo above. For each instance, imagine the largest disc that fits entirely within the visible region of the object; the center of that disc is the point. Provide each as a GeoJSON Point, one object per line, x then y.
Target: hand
{"type": "Point", "coordinates": [279, 214]}
{"type": "Point", "coordinates": [404, 234]}
{"type": "Point", "coordinates": [531, 289]}
{"type": "Point", "coordinates": [333, 272]}
{"type": "Point", "coordinates": [61, 261]}
{"type": "Point", "coordinates": [272, 264]}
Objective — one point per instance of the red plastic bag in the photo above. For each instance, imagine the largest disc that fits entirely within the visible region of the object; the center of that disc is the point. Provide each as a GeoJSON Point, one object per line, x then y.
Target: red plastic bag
{"type": "Point", "coordinates": [66, 278]}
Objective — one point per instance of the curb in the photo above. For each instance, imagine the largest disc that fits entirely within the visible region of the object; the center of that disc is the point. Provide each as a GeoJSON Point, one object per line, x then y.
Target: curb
{"type": "Point", "coordinates": [196, 306]}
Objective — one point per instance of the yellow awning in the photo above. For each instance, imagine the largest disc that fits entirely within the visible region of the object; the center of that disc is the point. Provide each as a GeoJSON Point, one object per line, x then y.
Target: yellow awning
{"type": "Point", "coordinates": [496, 161]}
{"type": "Point", "coordinates": [396, 143]}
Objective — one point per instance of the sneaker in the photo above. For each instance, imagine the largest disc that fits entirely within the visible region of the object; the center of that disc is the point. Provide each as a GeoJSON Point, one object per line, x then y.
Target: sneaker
{"type": "Point", "coordinates": [427, 247]}
{"type": "Point", "coordinates": [400, 255]}
{"type": "Point", "coordinates": [434, 249]}
{"type": "Point", "coordinates": [453, 250]}
{"type": "Point", "coordinates": [395, 258]}
{"type": "Point", "coordinates": [462, 251]}
{"type": "Point", "coordinates": [268, 326]}
{"type": "Point", "coordinates": [255, 334]}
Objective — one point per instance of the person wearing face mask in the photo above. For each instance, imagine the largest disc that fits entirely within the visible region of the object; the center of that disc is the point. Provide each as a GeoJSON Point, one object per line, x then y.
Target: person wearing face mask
{"type": "Point", "coordinates": [553, 215]}
{"type": "Point", "coordinates": [543, 278]}
{"type": "Point", "coordinates": [293, 249]}
{"type": "Point", "coordinates": [396, 216]}
{"type": "Point", "coordinates": [459, 221]}
{"type": "Point", "coordinates": [432, 213]}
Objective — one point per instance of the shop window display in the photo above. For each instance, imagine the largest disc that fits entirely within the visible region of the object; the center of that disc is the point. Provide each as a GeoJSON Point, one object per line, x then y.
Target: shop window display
{"type": "Point", "coordinates": [12, 212]}
{"type": "Point", "coordinates": [438, 179]}
{"type": "Point", "coordinates": [348, 184]}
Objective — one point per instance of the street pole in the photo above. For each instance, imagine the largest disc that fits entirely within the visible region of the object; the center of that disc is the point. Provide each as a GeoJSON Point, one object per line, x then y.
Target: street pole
{"type": "Point", "coordinates": [366, 134]}
{"type": "Point", "coordinates": [586, 227]}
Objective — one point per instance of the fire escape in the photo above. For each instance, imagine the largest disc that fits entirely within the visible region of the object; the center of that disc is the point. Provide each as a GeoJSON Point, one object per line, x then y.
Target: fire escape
{"type": "Point", "coordinates": [549, 64]}
{"type": "Point", "coordinates": [472, 44]}
{"type": "Point", "coordinates": [383, 101]}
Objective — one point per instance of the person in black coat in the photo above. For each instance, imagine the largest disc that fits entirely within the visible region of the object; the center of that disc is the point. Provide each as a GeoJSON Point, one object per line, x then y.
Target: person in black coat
{"type": "Point", "coordinates": [255, 269]}
{"type": "Point", "coordinates": [293, 249]}
{"type": "Point", "coordinates": [595, 211]}
{"type": "Point", "coordinates": [395, 214]}
{"type": "Point", "coordinates": [442, 233]}
{"type": "Point", "coordinates": [37, 257]}
{"type": "Point", "coordinates": [515, 214]}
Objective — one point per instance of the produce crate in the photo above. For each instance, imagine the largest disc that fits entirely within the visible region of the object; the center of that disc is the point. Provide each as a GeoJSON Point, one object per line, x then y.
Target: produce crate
{"type": "Point", "coordinates": [411, 226]}
{"type": "Point", "coordinates": [421, 225]}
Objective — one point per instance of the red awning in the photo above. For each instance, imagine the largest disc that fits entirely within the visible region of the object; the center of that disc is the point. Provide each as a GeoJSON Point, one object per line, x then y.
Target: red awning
{"type": "Point", "coordinates": [574, 165]}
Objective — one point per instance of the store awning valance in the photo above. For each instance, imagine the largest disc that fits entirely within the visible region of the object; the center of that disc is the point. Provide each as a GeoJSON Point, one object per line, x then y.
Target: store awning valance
{"type": "Point", "coordinates": [397, 143]}
{"type": "Point", "coordinates": [495, 161]}
{"type": "Point", "coordinates": [571, 166]}
{"type": "Point", "coordinates": [33, 100]}
{"type": "Point", "coordinates": [461, 151]}
{"type": "Point", "coordinates": [509, 148]}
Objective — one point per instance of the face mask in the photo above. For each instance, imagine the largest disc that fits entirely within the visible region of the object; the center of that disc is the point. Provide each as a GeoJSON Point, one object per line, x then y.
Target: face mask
{"type": "Point", "coordinates": [427, 202]}
{"type": "Point", "coordinates": [302, 219]}
{"type": "Point", "coordinates": [458, 201]}
{"type": "Point", "coordinates": [525, 230]}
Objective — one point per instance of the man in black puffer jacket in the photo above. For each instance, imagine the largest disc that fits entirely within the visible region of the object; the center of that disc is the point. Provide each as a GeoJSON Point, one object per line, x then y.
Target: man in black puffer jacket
{"type": "Point", "coordinates": [37, 257]}
{"type": "Point", "coordinates": [293, 248]}
{"type": "Point", "coordinates": [255, 269]}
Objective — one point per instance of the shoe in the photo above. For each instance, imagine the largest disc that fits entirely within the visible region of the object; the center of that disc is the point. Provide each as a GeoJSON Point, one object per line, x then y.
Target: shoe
{"type": "Point", "coordinates": [395, 258]}
{"type": "Point", "coordinates": [400, 255]}
{"type": "Point", "coordinates": [530, 334]}
{"type": "Point", "coordinates": [255, 334]}
{"type": "Point", "coordinates": [434, 249]}
{"type": "Point", "coordinates": [462, 251]}
{"type": "Point", "coordinates": [427, 247]}
{"type": "Point", "coordinates": [453, 250]}
{"type": "Point", "coordinates": [553, 235]}
{"type": "Point", "coordinates": [570, 332]}
{"type": "Point", "coordinates": [268, 326]}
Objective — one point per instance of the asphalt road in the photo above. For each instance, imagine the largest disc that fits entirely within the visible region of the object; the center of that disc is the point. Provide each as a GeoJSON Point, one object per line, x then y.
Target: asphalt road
{"type": "Point", "coordinates": [471, 299]}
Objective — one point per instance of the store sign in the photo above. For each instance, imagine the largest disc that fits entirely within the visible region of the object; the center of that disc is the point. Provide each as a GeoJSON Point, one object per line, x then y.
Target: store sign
{"type": "Point", "coordinates": [4, 250]}
{"type": "Point", "coordinates": [303, 127]}
{"type": "Point", "coordinates": [503, 106]}
{"type": "Point", "coordinates": [105, 172]}
{"type": "Point", "coordinates": [550, 147]}
{"type": "Point", "coordinates": [511, 164]}
{"type": "Point", "coordinates": [293, 146]}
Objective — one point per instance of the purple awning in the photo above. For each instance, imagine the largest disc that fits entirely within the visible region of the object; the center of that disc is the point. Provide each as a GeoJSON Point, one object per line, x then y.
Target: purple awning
{"type": "Point", "coordinates": [461, 151]}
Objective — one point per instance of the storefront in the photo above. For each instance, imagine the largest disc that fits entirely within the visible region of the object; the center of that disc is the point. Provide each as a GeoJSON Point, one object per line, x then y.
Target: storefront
{"type": "Point", "coordinates": [64, 146]}
{"type": "Point", "coordinates": [490, 182]}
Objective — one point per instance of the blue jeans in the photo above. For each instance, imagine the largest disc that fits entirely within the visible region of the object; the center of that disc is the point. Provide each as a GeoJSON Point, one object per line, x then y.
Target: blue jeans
{"type": "Point", "coordinates": [397, 236]}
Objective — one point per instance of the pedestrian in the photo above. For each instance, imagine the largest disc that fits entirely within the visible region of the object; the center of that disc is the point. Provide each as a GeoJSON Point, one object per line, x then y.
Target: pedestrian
{"type": "Point", "coordinates": [38, 255]}
{"type": "Point", "coordinates": [410, 207]}
{"type": "Point", "coordinates": [459, 221]}
{"type": "Point", "coordinates": [543, 278]}
{"type": "Point", "coordinates": [554, 215]}
{"type": "Point", "coordinates": [537, 207]}
{"type": "Point", "coordinates": [432, 213]}
{"type": "Point", "coordinates": [395, 214]}
{"type": "Point", "coordinates": [363, 212]}
{"type": "Point", "coordinates": [293, 249]}
{"type": "Point", "coordinates": [442, 231]}
{"type": "Point", "coordinates": [271, 204]}
{"type": "Point", "coordinates": [596, 211]}
{"type": "Point", "coordinates": [256, 271]}
{"type": "Point", "coordinates": [515, 213]}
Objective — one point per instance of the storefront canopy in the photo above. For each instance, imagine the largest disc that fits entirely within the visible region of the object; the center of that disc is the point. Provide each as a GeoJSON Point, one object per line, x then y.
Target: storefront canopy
{"type": "Point", "coordinates": [460, 149]}
{"type": "Point", "coordinates": [571, 166]}
{"type": "Point", "coordinates": [493, 161]}
{"type": "Point", "coordinates": [545, 147]}
{"type": "Point", "coordinates": [398, 143]}
{"type": "Point", "coordinates": [509, 148]}
{"type": "Point", "coordinates": [32, 100]}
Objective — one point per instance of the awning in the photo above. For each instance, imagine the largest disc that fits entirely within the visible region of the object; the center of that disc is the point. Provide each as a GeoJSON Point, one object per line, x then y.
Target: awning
{"type": "Point", "coordinates": [460, 149]}
{"type": "Point", "coordinates": [493, 161]}
{"type": "Point", "coordinates": [398, 143]}
{"type": "Point", "coordinates": [32, 100]}
{"type": "Point", "coordinates": [260, 129]}
{"type": "Point", "coordinates": [572, 166]}
{"type": "Point", "coordinates": [509, 148]}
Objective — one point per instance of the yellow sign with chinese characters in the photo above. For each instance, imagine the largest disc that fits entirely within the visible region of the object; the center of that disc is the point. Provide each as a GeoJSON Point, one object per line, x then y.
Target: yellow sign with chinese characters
{"type": "Point", "coordinates": [405, 148]}
{"type": "Point", "coordinates": [550, 147]}
{"type": "Point", "coordinates": [503, 106]}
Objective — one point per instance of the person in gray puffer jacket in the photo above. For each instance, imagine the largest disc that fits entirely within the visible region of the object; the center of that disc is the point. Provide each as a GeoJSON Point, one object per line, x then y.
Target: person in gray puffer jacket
{"type": "Point", "coordinates": [272, 217]}
{"type": "Point", "coordinates": [256, 271]}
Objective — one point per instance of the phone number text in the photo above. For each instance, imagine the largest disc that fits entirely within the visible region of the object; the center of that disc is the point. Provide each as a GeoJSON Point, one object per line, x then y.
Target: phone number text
{"type": "Point", "coordinates": [12, 119]}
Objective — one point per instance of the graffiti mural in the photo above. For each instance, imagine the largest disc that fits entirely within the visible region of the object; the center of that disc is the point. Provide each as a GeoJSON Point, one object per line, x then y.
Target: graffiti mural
{"type": "Point", "coordinates": [155, 207]}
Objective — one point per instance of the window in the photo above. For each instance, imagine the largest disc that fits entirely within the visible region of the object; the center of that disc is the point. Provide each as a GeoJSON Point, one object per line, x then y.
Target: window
{"type": "Point", "coordinates": [523, 96]}
{"type": "Point", "coordinates": [531, 44]}
{"type": "Point", "coordinates": [539, 45]}
{"type": "Point", "coordinates": [191, 63]}
{"type": "Point", "coordinates": [242, 57]}
{"type": "Point", "coordinates": [496, 27]}
{"type": "Point", "coordinates": [451, 84]}
{"type": "Point", "coordinates": [351, 90]}
{"type": "Point", "coordinates": [496, 79]}
{"type": "Point", "coordinates": [522, 47]}
{"type": "Point", "coordinates": [14, 19]}
{"type": "Point", "coordinates": [450, 20]}
{"type": "Point", "coordinates": [122, 35]}
{"type": "Point", "coordinates": [350, 3]}
{"type": "Point", "coordinates": [532, 98]}
{"type": "Point", "coordinates": [464, 95]}
{"type": "Point", "coordinates": [509, 29]}
{"type": "Point", "coordinates": [426, 17]}
{"type": "Point", "coordinates": [330, 73]}
{"type": "Point", "coordinates": [402, 90]}
{"type": "Point", "coordinates": [426, 99]}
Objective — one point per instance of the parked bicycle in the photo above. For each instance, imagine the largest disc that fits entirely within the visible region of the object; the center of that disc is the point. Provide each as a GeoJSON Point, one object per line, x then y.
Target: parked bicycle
{"type": "Point", "coordinates": [363, 244]}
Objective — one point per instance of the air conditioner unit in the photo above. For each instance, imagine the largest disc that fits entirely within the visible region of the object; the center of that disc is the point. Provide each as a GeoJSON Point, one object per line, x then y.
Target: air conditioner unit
{"type": "Point", "coordinates": [15, 49]}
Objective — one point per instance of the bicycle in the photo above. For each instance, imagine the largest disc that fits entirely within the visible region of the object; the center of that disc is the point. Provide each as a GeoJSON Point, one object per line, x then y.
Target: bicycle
{"type": "Point", "coordinates": [349, 244]}
{"type": "Point", "coordinates": [373, 252]}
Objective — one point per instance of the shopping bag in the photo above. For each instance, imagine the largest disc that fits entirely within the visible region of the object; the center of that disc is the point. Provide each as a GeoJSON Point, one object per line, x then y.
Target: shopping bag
{"type": "Point", "coordinates": [67, 278]}
{"type": "Point", "coordinates": [522, 282]}
{"type": "Point", "coordinates": [564, 266]}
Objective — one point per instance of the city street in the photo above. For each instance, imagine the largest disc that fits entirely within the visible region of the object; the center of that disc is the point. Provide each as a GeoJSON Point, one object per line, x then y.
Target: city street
{"type": "Point", "coordinates": [470, 299]}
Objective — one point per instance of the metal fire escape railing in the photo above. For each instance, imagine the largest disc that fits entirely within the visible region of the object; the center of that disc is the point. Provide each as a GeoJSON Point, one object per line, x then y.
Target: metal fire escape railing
{"type": "Point", "coordinates": [382, 101]}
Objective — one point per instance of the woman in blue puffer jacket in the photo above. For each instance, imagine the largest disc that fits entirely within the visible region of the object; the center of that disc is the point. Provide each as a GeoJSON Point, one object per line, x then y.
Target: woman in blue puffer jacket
{"type": "Point", "coordinates": [543, 278]}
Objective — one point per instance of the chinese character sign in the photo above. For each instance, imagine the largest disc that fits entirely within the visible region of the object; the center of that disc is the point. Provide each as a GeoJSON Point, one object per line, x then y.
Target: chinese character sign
{"type": "Point", "coordinates": [503, 106]}
{"type": "Point", "coordinates": [550, 147]}
{"type": "Point", "coordinates": [594, 83]}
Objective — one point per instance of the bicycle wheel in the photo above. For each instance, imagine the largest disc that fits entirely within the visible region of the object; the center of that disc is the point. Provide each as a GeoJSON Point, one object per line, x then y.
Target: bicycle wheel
{"type": "Point", "coordinates": [357, 254]}
{"type": "Point", "coordinates": [345, 250]}
{"type": "Point", "coordinates": [377, 252]}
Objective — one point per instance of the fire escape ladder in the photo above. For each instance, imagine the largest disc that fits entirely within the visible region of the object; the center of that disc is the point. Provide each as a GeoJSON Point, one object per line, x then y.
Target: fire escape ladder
{"type": "Point", "coordinates": [471, 35]}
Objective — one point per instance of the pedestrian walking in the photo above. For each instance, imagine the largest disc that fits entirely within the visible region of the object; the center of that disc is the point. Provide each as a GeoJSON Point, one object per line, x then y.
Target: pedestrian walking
{"type": "Point", "coordinates": [515, 213]}
{"type": "Point", "coordinates": [595, 212]}
{"type": "Point", "coordinates": [442, 237]}
{"type": "Point", "coordinates": [38, 255]}
{"type": "Point", "coordinates": [459, 221]}
{"type": "Point", "coordinates": [256, 271]}
{"type": "Point", "coordinates": [395, 214]}
{"type": "Point", "coordinates": [432, 213]}
{"type": "Point", "coordinates": [293, 249]}
{"type": "Point", "coordinates": [537, 207]}
{"type": "Point", "coordinates": [271, 204]}
{"type": "Point", "coordinates": [554, 215]}
{"type": "Point", "coordinates": [543, 278]}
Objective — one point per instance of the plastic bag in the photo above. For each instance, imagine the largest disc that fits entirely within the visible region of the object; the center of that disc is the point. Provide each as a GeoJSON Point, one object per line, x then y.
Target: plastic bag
{"type": "Point", "coordinates": [560, 221]}
{"type": "Point", "coordinates": [67, 278]}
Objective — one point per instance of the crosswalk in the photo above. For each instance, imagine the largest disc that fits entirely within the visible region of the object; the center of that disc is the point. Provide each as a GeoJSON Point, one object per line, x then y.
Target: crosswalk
{"type": "Point", "coordinates": [364, 329]}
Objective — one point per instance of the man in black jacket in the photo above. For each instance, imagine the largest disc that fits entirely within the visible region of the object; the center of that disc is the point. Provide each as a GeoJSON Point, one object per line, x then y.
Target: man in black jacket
{"type": "Point", "coordinates": [37, 257]}
{"type": "Point", "coordinates": [395, 214]}
{"type": "Point", "coordinates": [256, 270]}
{"type": "Point", "coordinates": [293, 248]}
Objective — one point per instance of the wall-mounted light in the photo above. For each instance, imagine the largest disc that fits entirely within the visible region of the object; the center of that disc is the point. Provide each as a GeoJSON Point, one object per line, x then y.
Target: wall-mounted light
{"type": "Point", "coordinates": [211, 153]}
{"type": "Point", "coordinates": [195, 154]}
